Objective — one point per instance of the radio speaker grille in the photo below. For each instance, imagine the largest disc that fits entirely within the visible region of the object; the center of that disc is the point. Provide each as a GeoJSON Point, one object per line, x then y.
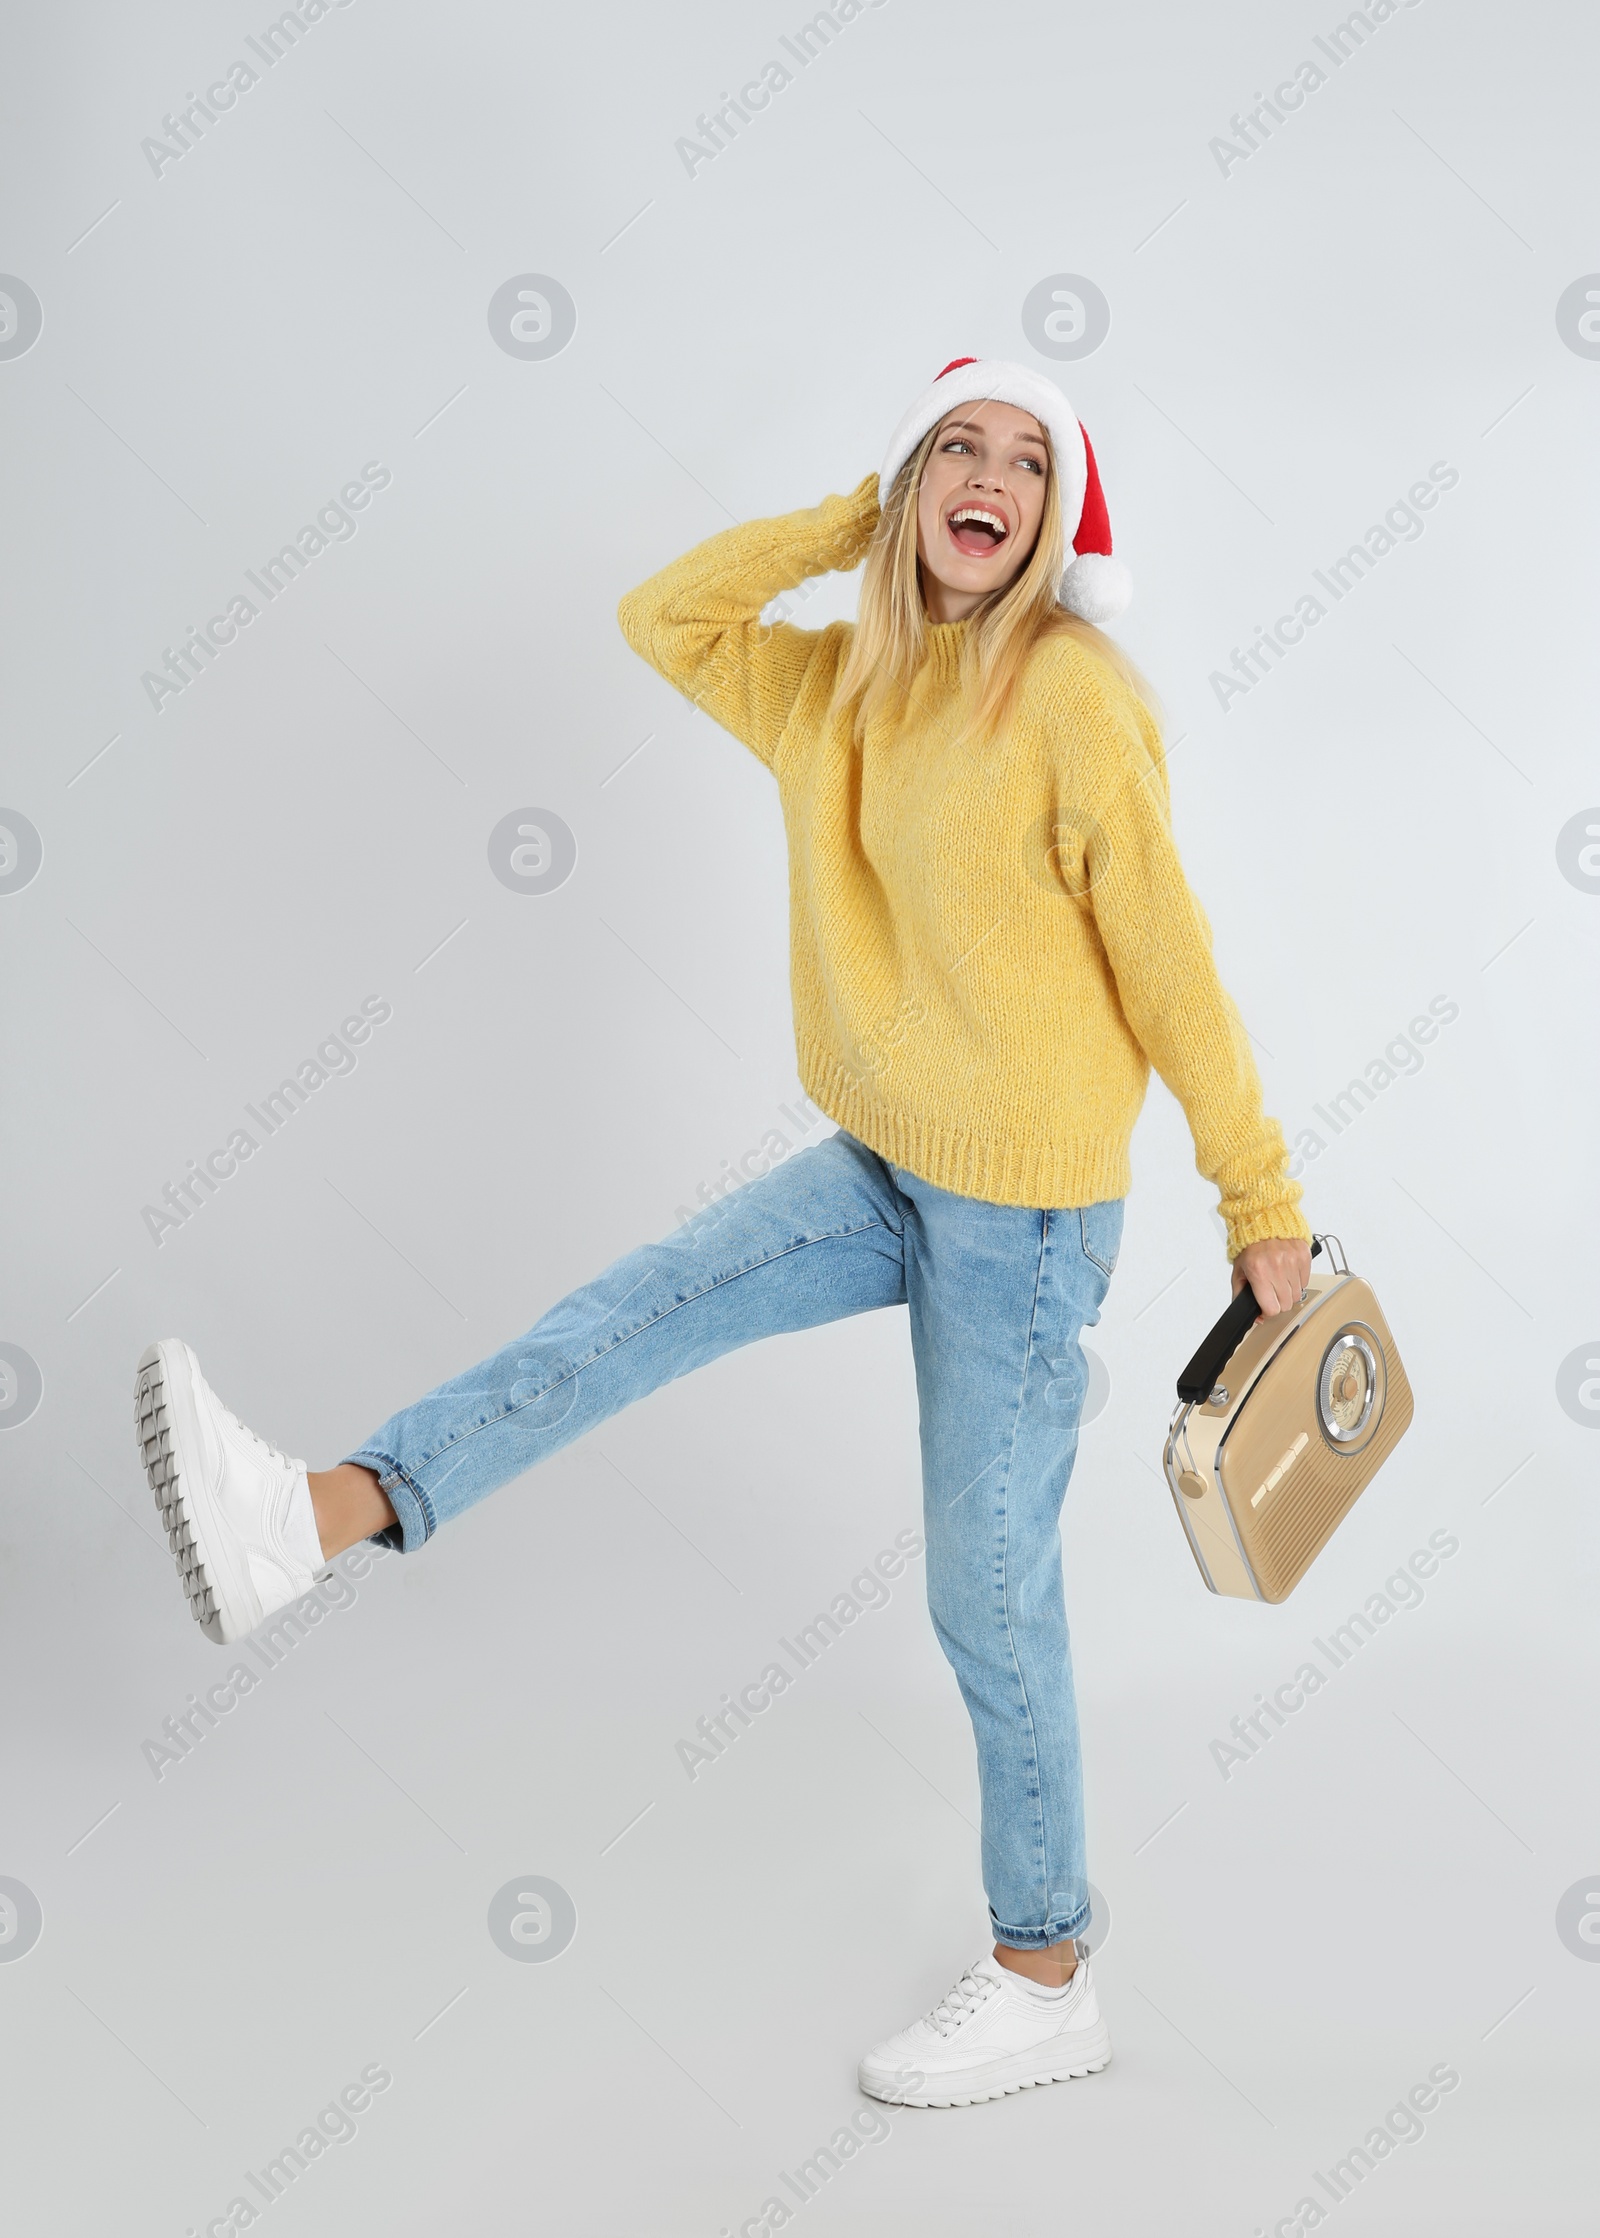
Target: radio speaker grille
{"type": "Point", "coordinates": [1282, 1537]}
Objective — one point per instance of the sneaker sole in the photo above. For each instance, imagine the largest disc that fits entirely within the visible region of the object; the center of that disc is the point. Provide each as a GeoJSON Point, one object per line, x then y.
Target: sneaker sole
{"type": "Point", "coordinates": [160, 1394]}
{"type": "Point", "coordinates": [1000, 2078]}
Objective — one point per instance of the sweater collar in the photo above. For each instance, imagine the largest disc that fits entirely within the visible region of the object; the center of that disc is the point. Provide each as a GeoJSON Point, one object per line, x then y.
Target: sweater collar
{"type": "Point", "coordinates": [945, 643]}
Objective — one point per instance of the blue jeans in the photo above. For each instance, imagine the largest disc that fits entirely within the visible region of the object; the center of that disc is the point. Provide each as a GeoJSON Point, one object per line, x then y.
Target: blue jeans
{"type": "Point", "coordinates": [998, 1296]}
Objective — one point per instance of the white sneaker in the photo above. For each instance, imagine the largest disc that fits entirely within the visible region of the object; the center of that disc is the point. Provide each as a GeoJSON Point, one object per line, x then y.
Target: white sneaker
{"type": "Point", "coordinates": [990, 2035]}
{"type": "Point", "coordinates": [238, 1512]}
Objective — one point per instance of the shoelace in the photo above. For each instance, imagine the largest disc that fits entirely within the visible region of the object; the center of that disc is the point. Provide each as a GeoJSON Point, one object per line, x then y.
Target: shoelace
{"type": "Point", "coordinates": [954, 2006]}
{"type": "Point", "coordinates": [271, 1452]}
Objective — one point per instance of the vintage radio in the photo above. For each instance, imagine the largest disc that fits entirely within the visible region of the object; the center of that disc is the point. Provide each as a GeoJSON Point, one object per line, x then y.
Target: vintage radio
{"type": "Point", "coordinates": [1281, 1424]}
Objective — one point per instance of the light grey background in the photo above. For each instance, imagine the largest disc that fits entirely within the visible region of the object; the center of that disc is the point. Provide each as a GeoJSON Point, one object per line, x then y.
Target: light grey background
{"type": "Point", "coordinates": [1292, 344]}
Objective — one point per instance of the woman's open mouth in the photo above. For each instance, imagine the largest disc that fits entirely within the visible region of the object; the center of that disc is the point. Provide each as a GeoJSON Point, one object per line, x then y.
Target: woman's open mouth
{"type": "Point", "coordinates": [976, 530]}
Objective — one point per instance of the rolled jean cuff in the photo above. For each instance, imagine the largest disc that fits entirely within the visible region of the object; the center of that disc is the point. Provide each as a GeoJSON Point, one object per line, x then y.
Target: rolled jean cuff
{"type": "Point", "coordinates": [415, 1522]}
{"type": "Point", "coordinates": [1039, 1938]}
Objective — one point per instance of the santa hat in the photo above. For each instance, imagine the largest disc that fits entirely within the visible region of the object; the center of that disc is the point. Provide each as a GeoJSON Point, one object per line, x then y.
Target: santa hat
{"type": "Point", "coordinates": [1094, 585]}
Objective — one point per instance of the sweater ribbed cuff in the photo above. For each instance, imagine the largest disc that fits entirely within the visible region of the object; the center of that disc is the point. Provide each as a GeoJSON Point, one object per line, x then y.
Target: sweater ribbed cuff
{"type": "Point", "coordinates": [1282, 1219]}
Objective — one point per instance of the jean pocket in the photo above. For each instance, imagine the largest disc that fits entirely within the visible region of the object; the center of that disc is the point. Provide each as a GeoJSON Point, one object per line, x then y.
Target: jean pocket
{"type": "Point", "coordinates": [1101, 1228]}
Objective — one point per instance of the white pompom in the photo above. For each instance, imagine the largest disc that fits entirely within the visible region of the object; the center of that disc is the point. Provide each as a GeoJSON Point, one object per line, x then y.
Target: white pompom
{"type": "Point", "coordinates": [1096, 587]}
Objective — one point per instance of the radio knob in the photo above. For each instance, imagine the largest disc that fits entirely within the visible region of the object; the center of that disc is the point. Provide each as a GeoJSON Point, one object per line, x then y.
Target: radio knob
{"type": "Point", "coordinates": [1191, 1486]}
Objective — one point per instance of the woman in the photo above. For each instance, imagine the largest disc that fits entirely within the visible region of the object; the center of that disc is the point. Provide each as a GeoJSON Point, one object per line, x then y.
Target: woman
{"type": "Point", "coordinates": [992, 941]}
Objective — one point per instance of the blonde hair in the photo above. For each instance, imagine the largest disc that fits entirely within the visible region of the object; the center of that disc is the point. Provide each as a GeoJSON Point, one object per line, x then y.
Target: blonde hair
{"type": "Point", "coordinates": [890, 641]}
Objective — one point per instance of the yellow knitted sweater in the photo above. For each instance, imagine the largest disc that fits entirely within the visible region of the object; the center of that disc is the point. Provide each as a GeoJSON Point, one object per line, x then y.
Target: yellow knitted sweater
{"type": "Point", "coordinates": [990, 947]}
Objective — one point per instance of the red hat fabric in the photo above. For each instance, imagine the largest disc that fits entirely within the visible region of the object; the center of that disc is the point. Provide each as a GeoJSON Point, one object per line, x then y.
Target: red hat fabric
{"type": "Point", "coordinates": [1093, 585]}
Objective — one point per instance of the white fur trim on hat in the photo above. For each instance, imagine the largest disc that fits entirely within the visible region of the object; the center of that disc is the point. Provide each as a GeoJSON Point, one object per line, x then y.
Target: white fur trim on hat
{"type": "Point", "coordinates": [1093, 584]}
{"type": "Point", "coordinates": [1096, 586]}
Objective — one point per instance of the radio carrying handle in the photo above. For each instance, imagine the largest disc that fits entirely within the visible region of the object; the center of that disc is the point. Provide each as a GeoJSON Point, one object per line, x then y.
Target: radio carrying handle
{"type": "Point", "coordinates": [1199, 1378]}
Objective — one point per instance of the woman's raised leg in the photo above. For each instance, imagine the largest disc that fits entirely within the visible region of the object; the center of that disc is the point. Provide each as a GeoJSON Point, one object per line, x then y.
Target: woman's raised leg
{"type": "Point", "coordinates": [816, 1239]}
